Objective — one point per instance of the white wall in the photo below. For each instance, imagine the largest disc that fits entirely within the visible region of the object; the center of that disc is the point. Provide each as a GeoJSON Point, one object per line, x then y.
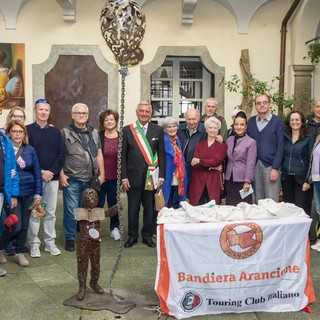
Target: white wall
{"type": "Point", "coordinates": [40, 24]}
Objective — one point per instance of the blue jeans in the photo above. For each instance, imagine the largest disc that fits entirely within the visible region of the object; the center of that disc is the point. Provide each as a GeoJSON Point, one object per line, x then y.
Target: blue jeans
{"type": "Point", "coordinates": [316, 195]}
{"type": "Point", "coordinates": [109, 189]}
{"type": "Point", "coordinates": [20, 229]}
{"type": "Point", "coordinates": [72, 198]}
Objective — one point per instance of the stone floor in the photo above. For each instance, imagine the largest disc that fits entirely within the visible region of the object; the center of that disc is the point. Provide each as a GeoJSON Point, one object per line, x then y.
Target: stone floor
{"type": "Point", "coordinates": [38, 291]}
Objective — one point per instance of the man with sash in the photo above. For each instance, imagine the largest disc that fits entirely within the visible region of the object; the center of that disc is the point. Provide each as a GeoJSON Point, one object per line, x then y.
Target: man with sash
{"type": "Point", "coordinates": [142, 153]}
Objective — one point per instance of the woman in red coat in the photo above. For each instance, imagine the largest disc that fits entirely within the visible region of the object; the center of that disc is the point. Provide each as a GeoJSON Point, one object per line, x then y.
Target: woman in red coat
{"type": "Point", "coordinates": [208, 156]}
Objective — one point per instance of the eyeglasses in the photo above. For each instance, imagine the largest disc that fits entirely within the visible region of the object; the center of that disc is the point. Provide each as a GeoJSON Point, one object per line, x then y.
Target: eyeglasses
{"type": "Point", "coordinates": [42, 101]}
{"type": "Point", "coordinates": [16, 116]}
{"type": "Point", "coordinates": [264, 103]}
{"type": "Point", "coordinates": [83, 114]}
{"type": "Point", "coordinates": [17, 131]}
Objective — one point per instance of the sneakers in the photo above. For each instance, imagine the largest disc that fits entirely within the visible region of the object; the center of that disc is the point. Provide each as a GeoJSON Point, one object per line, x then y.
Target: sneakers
{"type": "Point", "coordinates": [115, 234]}
{"type": "Point", "coordinates": [21, 260]}
{"type": "Point", "coordinates": [316, 246]}
{"type": "Point", "coordinates": [2, 257]}
{"type": "Point", "coordinates": [70, 245]}
{"type": "Point", "coordinates": [2, 272]}
{"type": "Point", "coordinates": [35, 252]}
{"type": "Point", "coordinates": [52, 249]}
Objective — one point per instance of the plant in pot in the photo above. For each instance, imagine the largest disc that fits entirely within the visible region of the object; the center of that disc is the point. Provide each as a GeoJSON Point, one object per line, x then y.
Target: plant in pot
{"type": "Point", "coordinates": [314, 52]}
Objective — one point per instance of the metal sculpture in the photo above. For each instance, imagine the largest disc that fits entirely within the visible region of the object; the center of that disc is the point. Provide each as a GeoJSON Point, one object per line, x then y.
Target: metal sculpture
{"type": "Point", "coordinates": [123, 27]}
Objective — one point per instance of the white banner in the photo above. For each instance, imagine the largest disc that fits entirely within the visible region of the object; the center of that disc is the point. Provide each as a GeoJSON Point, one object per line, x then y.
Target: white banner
{"type": "Point", "coordinates": [243, 266]}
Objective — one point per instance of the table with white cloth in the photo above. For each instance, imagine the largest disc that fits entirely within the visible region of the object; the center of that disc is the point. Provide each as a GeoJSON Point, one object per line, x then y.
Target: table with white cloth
{"type": "Point", "coordinates": [233, 266]}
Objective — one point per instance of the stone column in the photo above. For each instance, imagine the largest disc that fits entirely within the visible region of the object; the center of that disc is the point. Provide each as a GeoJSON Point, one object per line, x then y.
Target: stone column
{"type": "Point", "coordinates": [302, 86]}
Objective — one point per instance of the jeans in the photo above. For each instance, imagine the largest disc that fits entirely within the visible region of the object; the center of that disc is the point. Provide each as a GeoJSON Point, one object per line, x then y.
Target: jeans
{"type": "Point", "coordinates": [72, 198]}
{"type": "Point", "coordinates": [3, 216]}
{"type": "Point", "coordinates": [316, 194]}
{"type": "Point", "coordinates": [50, 197]}
{"type": "Point", "coordinates": [20, 229]}
{"type": "Point", "coordinates": [109, 189]}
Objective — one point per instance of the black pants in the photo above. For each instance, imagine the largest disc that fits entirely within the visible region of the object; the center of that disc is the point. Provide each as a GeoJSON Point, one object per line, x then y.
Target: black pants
{"type": "Point", "coordinates": [292, 192]}
{"type": "Point", "coordinates": [136, 197]}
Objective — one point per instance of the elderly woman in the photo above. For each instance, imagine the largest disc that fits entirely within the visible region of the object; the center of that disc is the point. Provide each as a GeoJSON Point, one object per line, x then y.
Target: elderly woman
{"type": "Point", "coordinates": [174, 187]}
{"type": "Point", "coordinates": [208, 156]}
{"type": "Point", "coordinates": [242, 154]}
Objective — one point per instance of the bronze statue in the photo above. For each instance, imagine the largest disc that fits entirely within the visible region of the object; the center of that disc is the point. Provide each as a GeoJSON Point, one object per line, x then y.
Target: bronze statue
{"type": "Point", "coordinates": [88, 242]}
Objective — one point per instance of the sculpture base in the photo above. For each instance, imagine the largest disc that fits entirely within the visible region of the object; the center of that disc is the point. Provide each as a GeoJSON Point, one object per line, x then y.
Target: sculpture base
{"type": "Point", "coordinates": [95, 302]}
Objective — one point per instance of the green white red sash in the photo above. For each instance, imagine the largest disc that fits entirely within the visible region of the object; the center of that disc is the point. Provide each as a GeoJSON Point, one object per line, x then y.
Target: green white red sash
{"type": "Point", "coordinates": [144, 146]}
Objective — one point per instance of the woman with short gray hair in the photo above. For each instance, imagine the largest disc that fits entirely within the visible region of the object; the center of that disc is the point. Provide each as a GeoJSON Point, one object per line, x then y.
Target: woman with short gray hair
{"type": "Point", "coordinates": [175, 183]}
{"type": "Point", "coordinates": [208, 157]}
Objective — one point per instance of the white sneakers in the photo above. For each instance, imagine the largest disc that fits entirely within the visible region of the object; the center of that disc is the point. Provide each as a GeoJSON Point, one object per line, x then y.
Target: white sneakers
{"type": "Point", "coordinates": [3, 258]}
{"type": "Point", "coordinates": [52, 249]}
{"type": "Point", "coordinates": [2, 272]}
{"type": "Point", "coordinates": [35, 252]}
{"type": "Point", "coordinates": [21, 260]}
{"type": "Point", "coordinates": [316, 246]}
{"type": "Point", "coordinates": [115, 234]}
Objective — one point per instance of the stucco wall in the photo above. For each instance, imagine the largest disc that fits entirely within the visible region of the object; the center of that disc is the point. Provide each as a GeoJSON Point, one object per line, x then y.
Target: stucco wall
{"type": "Point", "coordinates": [40, 24]}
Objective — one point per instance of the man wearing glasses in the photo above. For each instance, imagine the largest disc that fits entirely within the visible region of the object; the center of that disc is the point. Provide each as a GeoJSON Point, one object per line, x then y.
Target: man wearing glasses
{"type": "Point", "coordinates": [84, 160]}
{"type": "Point", "coordinates": [47, 141]}
{"type": "Point", "coordinates": [267, 129]}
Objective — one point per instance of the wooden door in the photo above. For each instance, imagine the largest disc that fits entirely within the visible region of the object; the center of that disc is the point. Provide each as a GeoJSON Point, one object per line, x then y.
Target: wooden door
{"type": "Point", "coordinates": [76, 79]}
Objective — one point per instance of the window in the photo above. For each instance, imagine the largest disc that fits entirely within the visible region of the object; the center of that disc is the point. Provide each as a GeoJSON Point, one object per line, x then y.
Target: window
{"type": "Point", "coordinates": [179, 84]}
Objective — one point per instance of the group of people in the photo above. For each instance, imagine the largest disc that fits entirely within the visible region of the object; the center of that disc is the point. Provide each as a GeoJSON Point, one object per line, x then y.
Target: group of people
{"type": "Point", "coordinates": [34, 158]}
{"type": "Point", "coordinates": [195, 160]}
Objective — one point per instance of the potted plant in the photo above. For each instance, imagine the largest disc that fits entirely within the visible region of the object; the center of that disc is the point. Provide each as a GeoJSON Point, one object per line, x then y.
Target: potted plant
{"type": "Point", "coordinates": [314, 52]}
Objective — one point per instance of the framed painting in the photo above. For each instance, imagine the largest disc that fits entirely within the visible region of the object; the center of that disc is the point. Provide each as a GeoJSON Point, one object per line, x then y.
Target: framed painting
{"type": "Point", "coordinates": [12, 65]}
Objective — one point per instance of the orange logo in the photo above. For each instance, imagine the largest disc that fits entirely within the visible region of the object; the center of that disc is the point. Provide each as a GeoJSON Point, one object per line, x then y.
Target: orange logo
{"type": "Point", "coordinates": [241, 240]}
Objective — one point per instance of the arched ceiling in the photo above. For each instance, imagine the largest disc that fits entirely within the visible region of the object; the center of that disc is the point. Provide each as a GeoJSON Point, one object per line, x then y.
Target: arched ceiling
{"type": "Point", "coordinates": [242, 10]}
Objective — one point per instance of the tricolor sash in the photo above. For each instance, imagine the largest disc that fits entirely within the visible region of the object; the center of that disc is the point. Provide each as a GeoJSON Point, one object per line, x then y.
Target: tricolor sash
{"type": "Point", "coordinates": [144, 146]}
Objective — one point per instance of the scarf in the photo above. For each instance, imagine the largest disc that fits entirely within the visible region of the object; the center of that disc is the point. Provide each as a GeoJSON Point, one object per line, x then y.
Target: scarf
{"type": "Point", "coordinates": [177, 160]}
{"type": "Point", "coordinates": [86, 139]}
{"type": "Point", "coordinates": [236, 137]}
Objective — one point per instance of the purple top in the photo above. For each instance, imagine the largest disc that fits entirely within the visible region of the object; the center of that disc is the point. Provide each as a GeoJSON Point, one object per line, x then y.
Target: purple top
{"type": "Point", "coordinates": [241, 160]}
{"type": "Point", "coordinates": [110, 156]}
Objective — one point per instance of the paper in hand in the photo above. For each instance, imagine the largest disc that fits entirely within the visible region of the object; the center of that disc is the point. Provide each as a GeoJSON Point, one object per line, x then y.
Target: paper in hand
{"type": "Point", "coordinates": [244, 194]}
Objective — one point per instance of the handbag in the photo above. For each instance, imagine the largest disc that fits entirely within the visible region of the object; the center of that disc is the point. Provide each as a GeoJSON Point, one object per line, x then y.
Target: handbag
{"type": "Point", "coordinates": [159, 199]}
{"type": "Point", "coordinates": [11, 218]}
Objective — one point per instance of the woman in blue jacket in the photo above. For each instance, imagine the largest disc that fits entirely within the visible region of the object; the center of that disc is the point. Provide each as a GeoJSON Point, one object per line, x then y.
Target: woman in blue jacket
{"type": "Point", "coordinates": [297, 151]}
{"type": "Point", "coordinates": [9, 182]}
{"type": "Point", "coordinates": [30, 189]}
{"type": "Point", "coordinates": [175, 184]}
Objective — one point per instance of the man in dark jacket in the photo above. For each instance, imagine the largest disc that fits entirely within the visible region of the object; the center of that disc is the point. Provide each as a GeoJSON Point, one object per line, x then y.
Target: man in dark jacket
{"type": "Point", "coordinates": [190, 133]}
{"type": "Point", "coordinates": [47, 142]}
{"type": "Point", "coordinates": [142, 152]}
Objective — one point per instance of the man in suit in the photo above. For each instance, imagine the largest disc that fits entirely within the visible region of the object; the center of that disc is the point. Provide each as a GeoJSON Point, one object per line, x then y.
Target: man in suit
{"type": "Point", "coordinates": [142, 152]}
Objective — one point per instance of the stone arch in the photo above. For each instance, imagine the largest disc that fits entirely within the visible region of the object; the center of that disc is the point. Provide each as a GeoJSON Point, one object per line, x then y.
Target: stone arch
{"type": "Point", "coordinates": [183, 51]}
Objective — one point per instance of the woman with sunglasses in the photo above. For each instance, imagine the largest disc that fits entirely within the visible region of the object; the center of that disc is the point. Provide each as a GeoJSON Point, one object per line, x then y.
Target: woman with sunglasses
{"type": "Point", "coordinates": [30, 189]}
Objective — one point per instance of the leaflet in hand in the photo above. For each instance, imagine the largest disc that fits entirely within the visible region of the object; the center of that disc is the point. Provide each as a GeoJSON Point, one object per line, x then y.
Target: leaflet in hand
{"type": "Point", "coordinates": [244, 194]}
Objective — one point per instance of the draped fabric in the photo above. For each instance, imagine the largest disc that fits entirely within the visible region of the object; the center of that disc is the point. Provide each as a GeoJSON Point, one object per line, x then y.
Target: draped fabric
{"type": "Point", "coordinates": [179, 172]}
